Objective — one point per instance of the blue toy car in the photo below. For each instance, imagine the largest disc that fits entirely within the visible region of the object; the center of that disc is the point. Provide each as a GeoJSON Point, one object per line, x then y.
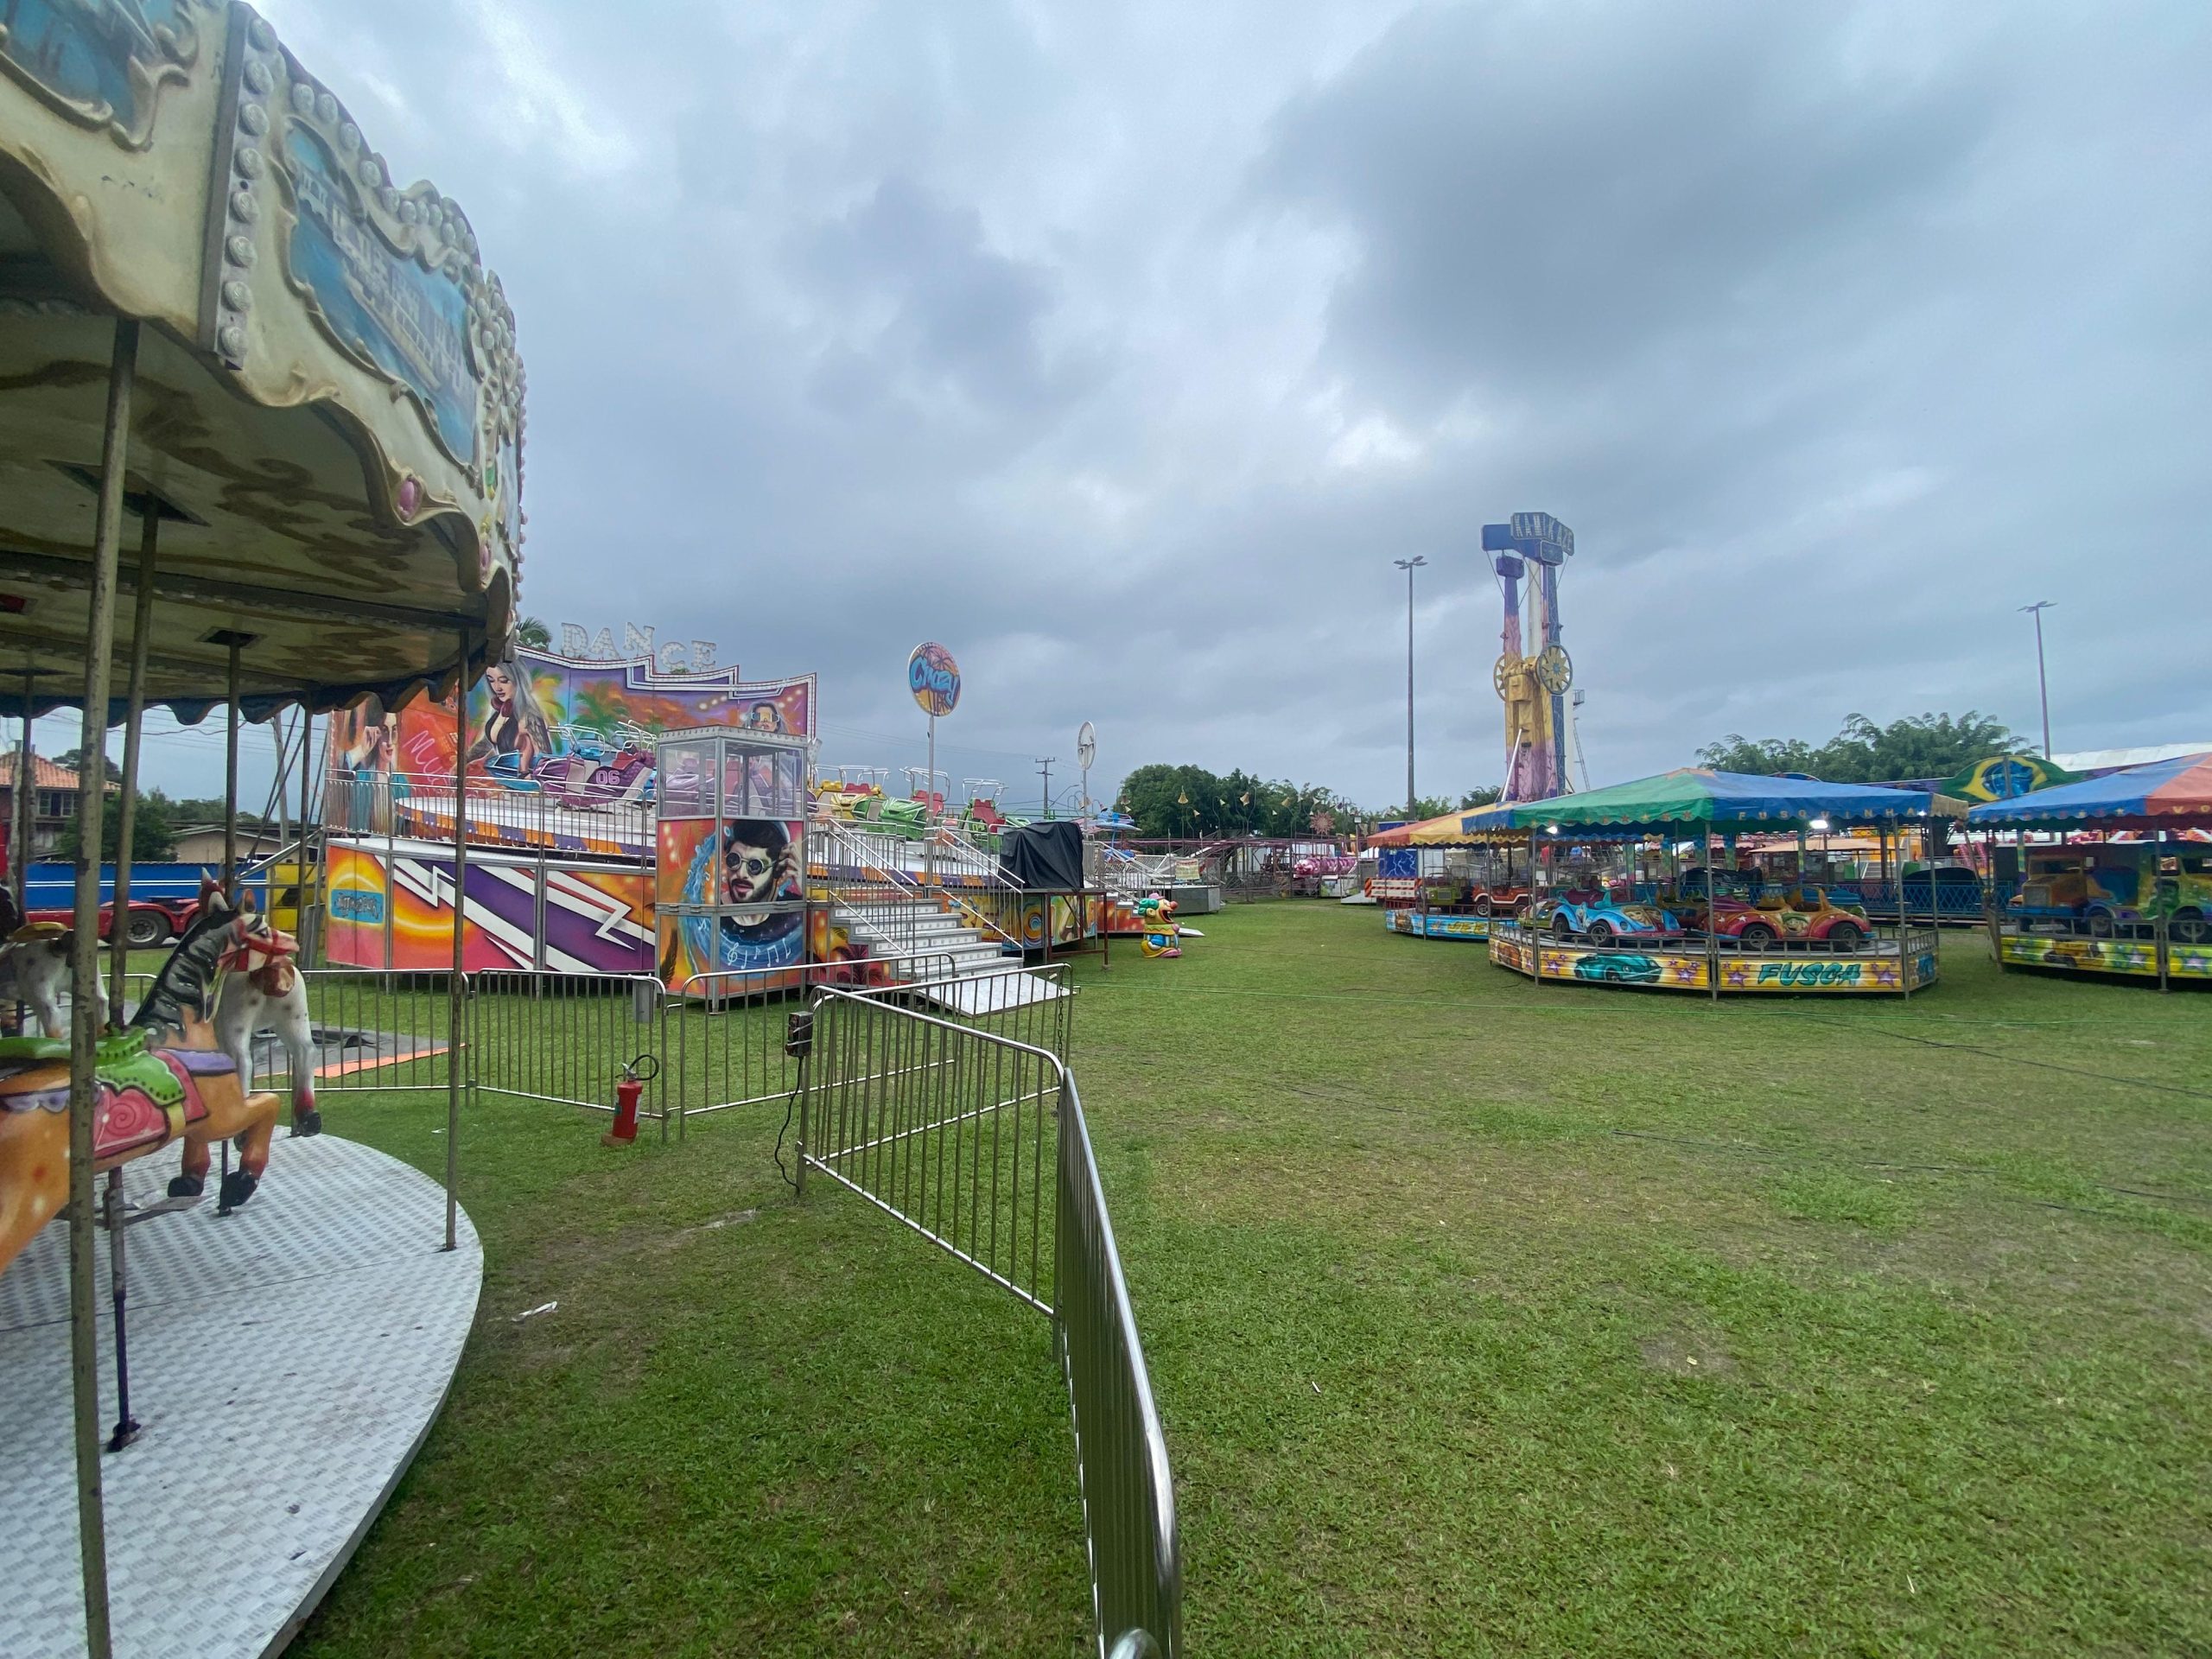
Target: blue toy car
{"type": "Point", "coordinates": [1593, 917]}
{"type": "Point", "coordinates": [1620, 969]}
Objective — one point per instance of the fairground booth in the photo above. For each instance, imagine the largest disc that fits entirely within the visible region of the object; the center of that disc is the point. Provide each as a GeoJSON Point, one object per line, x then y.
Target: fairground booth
{"type": "Point", "coordinates": [2111, 876]}
{"type": "Point", "coordinates": [1642, 885]}
{"type": "Point", "coordinates": [261, 426]}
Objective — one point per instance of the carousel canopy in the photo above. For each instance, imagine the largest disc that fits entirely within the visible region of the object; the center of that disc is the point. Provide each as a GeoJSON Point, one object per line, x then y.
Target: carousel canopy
{"type": "Point", "coordinates": [2173, 794]}
{"type": "Point", "coordinates": [1697, 795]}
{"type": "Point", "coordinates": [326, 423]}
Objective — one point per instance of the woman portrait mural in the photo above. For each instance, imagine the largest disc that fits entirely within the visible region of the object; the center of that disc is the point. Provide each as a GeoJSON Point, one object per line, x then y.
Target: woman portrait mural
{"type": "Point", "coordinates": [515, 737]}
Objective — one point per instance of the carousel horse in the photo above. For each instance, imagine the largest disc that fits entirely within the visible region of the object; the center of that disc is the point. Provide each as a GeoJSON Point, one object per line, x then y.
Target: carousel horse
{"type": "Point", "coordinates": [262, 986]}
{"type": "Point", "coordinates": [33, 967]}
{"type": "Point", "coordinates": [159, 1079]}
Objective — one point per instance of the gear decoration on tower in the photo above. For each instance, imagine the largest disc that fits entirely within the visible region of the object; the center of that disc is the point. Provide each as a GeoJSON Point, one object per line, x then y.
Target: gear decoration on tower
{"type": "Point", "coordinates": [1555, 669]}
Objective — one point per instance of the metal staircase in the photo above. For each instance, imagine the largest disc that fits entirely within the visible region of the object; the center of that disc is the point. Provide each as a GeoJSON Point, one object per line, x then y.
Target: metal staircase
{"type": "Point", "coordinates": [943, 947]}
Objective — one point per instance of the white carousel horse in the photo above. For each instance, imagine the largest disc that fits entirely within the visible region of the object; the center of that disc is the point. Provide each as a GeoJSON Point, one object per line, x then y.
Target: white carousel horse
{"type": "Point", "coordinates": [33, 967]}
{"type": "Point", "coordinates": [265, 988]}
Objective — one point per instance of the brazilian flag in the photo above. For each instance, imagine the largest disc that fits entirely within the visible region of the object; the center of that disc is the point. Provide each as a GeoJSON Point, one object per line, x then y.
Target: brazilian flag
{"type": "Point", "coordinates": [2006, 777]}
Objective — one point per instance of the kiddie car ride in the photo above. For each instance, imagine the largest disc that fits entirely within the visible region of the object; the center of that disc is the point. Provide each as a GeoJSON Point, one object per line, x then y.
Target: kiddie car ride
{"type": "Point", "coordinates": [1587, 914]}
{"type": "Point", "coordinates": [1794, 914]}
{"type": "Point", "coordinates": [2068, 892]}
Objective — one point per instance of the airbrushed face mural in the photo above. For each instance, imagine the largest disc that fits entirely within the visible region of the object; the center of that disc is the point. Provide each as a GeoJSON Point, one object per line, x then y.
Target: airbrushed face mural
{"type": "Point", "coordinates": [746, 869]}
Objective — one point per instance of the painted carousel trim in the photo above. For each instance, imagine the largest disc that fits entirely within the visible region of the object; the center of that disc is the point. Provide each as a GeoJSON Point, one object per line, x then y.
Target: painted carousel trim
{"type": "Point", "coordinates": [160, 42]}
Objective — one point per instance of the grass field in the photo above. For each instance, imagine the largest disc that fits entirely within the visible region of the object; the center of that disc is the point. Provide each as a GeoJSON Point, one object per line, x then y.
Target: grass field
{"type": "Point", "coordinates": [1483, 1318]}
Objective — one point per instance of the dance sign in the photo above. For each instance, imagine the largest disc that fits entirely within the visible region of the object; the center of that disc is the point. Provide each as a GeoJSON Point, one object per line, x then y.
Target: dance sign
{"type": "Point", "coordinates": [934, 678]}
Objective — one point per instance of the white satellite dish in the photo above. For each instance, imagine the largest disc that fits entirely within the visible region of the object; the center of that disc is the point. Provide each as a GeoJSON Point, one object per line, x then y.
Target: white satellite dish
{"type": "Point", "coordinates": [1086, 746]}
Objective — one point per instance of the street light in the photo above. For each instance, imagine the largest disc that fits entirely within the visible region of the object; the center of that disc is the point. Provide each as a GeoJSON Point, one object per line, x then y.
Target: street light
{"type": "Point", "coordinates": [1409, 566]}
{"type": "Point", "coordinates": [2043, 686]}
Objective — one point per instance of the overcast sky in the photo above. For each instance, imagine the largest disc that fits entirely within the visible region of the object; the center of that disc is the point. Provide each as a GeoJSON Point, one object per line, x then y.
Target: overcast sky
{"type": "Point", "coordinates": [1121, 348]}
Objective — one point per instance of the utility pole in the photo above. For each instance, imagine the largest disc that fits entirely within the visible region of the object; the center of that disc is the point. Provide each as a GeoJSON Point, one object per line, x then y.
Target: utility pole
{"type": "Point", "coordinates": [2043, 686]}
{"type": "Point", "coordinates": [1045, 766]}
{"type": "Point", "coordinates": [1409, 566]}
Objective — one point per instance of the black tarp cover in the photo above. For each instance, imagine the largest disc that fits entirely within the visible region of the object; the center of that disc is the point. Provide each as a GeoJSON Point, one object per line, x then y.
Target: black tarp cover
{"type": "Point", "coordinates": [1046, 857]}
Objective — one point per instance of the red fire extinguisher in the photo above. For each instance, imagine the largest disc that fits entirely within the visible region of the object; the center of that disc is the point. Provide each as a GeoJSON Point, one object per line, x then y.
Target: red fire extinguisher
{"type": "Point", "coordinates": [635, 1076]}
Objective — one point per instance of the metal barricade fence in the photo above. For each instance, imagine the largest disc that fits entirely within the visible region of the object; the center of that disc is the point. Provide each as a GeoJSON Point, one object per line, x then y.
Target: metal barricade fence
{"type": "Point", "coordinates": [567, 1039]}
{"type": "Point", "coordinates": [947, 1127]}
{"type": "Point", "coordinates": [374, 1030]}
{"type": "Point", "coordinates": [977, 1143]}
{"type": "Point", "coordinates": [1128, 1488]}
{"type": "Point", "coordinates": [723, 1038]}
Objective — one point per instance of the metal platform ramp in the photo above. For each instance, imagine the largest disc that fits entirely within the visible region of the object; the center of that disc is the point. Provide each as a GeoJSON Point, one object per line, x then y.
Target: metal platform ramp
{"type": "Point", "coordinates": [987, 992]}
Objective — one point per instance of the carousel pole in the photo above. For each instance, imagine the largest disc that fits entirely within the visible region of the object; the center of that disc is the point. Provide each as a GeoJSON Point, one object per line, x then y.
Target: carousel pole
{"type": "Point", "coordinates": [457, 1014]}
{"type": "Point", "coordinates": [283, 803]}
{"type": "Point", "coordinates": [19, 832]}
{"type": "Point", "coordinates": [300, 864]}
{"type": "Point", "coordinates": [2158, 921]}
{"type": "Point", "coordinates": [84, 1008]}
{"type": "Point", "coordinates": [230, 780]}
{"type": "Point", "coordinates": [1711, 922]}
{"type": "Point", "coordinates": [141, 623]}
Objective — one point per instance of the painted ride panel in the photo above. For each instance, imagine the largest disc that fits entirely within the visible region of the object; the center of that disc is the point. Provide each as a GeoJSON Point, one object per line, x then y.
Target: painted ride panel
{"type": "Point", "coordinates": [1877, 969]}
{"type": "Point", "coordinates": [2128, 958]}
{"type": "Point", "coordinates": [596, 918]}
{"type": "Point", "coordinates": [1433, 925]}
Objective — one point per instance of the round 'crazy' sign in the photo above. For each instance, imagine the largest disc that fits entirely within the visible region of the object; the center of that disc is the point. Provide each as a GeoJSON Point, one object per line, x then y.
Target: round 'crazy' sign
{"type": "Point", "coordinates": [934, 678]}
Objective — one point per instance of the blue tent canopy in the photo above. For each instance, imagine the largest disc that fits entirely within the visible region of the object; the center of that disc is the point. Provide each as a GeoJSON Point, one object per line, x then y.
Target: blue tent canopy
{"type": "Point", "coordinates": [2164, 795]}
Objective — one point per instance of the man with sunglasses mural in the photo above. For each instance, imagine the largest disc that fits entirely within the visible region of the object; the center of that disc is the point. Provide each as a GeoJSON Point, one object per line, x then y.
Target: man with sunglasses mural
{"type": "Point", "coordinates": [760, 870]}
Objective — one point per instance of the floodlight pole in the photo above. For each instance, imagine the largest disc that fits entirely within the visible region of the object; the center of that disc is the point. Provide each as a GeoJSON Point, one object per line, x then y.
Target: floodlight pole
{"type": "Point", "coordinates": [2043, 685]}
{"type": "Point", "coordinates": [1409, 566]}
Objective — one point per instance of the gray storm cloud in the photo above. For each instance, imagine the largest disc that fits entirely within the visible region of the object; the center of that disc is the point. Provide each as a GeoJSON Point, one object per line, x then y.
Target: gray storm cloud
{"type": "Point", "coordinates": [1122, 352]}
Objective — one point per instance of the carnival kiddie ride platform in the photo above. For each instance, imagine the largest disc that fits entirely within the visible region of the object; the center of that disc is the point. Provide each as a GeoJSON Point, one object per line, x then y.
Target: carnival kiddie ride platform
{"type": "Point", "coordinates": [1452, 886]}
{"type": "Point", "coordinates": [1631, 886]}
{"type": "Point", "coordinates": [2116, 881]}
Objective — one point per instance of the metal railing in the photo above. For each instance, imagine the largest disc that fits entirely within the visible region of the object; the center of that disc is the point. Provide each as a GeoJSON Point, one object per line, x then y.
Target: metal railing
{"type": "Point", "coordinates": [1129, 1487]}
{"type": "Point", "coordinates": [585, 816]}
{"type": "Point", "coordinates": [567, 1039]}
{"type": "Point", "coordinates": [879, 882]}
{"type": "Point", "coordinates": [374, 1031]}
{"type": "Point", "coordinates": [950, 1130]}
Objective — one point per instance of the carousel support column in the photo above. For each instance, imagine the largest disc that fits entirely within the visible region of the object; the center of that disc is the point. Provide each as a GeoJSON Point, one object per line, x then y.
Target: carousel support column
{"type": "Point", "coordinates": [126, 1426]}
{"type": "Point", "coordinates": [457, 1014]}
{"type": "Point", "coordinates": [237, 643]}
{"type": "Point", "coordinates": [308, 918]}
{"type": "Point", "coordinates": [2159, 911]}
{"type": "Point", "coordinates": [19, 830]}
{"type": "Point", "coordinates": [1904, 987]}
{"type": "Point", "coordinates": [283, 809]}
{"type": "Point", "coordinates": [84, 1010]}
{"type": "Point", "coordinates": [142, 625]}
{"type": "Point", "coordinates": [1711, 922]}
{"type": "Point", "coordinates": [1989, 900]}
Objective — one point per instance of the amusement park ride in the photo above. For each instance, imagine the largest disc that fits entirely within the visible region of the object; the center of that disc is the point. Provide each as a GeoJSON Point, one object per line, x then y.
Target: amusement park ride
{"type": "Point", "coordinates": [1533, 684]}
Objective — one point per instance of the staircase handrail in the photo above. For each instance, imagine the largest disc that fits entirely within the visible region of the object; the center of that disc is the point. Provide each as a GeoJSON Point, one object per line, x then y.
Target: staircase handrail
{"type": "Point", "coordinates": [842, 839]}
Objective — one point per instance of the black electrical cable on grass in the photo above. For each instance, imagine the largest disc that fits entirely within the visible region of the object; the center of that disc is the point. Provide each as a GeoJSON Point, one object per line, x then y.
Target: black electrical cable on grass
{"type": "Point", "coordinates": [790, 1180]}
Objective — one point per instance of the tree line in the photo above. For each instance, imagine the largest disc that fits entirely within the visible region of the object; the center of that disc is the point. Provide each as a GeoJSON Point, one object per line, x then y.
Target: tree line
{"type": "Point", "coordinates": [1181, 802]}
{"type": "Point", "coordinates": [1919, 746]}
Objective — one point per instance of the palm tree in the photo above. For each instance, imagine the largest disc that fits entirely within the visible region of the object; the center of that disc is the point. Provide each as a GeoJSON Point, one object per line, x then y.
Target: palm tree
{"type": "Point", "coordinates": [532, 632]}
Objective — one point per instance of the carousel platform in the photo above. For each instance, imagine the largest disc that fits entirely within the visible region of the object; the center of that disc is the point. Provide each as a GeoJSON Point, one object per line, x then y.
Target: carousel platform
{"type": "Point", "coordinates": [286, 1362]}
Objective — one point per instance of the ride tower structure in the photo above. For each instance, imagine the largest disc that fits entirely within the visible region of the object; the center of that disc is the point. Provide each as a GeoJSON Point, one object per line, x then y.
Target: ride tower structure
{"type": "Point", "coordinates": [1533, 684]}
